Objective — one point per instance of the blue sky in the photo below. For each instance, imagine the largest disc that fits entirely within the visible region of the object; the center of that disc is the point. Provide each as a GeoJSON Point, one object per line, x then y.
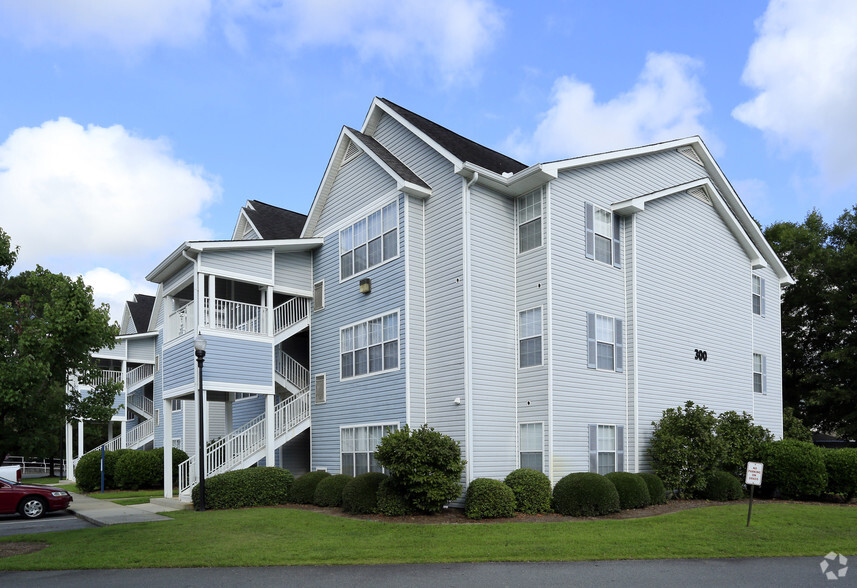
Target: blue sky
{"type": "Point", "coordinates": [127, 128]}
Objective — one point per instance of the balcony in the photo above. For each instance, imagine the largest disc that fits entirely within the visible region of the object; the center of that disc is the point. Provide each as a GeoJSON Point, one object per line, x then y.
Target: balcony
{"type": "Point", "coordinates": [181, 321]}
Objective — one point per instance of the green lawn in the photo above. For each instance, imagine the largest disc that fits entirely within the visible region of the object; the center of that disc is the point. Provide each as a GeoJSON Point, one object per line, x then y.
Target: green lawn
{"type": "Point", "coordinates": [282, 536]}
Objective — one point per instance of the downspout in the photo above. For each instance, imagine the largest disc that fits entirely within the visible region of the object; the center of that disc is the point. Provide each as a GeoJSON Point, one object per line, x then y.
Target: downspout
{"type": "Point", "coordinates": [199, 316]}
{"type": "Point", "coordinates": [468, 332]}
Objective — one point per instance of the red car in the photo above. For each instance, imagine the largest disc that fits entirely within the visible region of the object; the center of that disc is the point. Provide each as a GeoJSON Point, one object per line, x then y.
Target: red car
{"type": "Point", "coordinates": [31, 500]}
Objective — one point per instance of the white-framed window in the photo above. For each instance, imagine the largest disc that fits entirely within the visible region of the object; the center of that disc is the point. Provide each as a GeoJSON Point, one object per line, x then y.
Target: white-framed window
{"type": "Point", "coordinates": [605, 348]}
{"type": "Point", "coordinates": [178, 443]}
{"type": "Point", "coordinates": [759, 376]}
{"type": "Point", "coordinates": [530, 337]}
{"type": "Point", "coordinates": [530, 221]}
{"type": "Point", "coordinates": [369, 242]}
{"type": "Point", "coordinates": [176, 404]}
{"type": "Point", "coordinates": [318, 295]}
{"type": "Point", "coordinates": [603, 235]}
{"type": "Point", "coordinates": [369, 347]}
{"type": "Point", "coordinates": [320, 389]}
{"type": "Point", "coordinates": [532, 446]}
{"type": "Point", "coordinates": [606, 448]}
{"type": "Point", "coordinates": [357, 448]}
{"type": "Point", "coordinates": [244, 395]}
{"type": "Point", "coordinates": [758, 295]}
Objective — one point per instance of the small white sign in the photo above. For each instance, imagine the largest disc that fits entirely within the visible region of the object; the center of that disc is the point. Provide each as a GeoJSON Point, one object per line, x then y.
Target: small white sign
{"type": "Point", "coordinates": [754, 473]}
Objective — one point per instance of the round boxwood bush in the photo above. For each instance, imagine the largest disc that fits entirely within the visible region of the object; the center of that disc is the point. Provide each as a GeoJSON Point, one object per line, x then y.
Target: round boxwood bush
{"type": "Point", "coordinates": [657, 492]}
{"type": "Point", "coordinates": [532, 490]}
{"type": "Point", "coordinates": [303, 490]}
{"type": "Point", "coordinates": [391, 500]}
{"type": "Point", "coordinates": [585, 494]}
{"type": "Point", "coordinates": [245, 488]}
{"type": "Point", "coordinates": [841, 466]}
{"type": "Point", "coordinates": [633, 491]}
{"type": "Point", "coordinates": [328, 492]}
{"type": "Point", "coordinates": [138, 469]}
{"type": "Point", "coordinates": [360, 495]}
{"type": "Point", "coordinates": [488, 499]}
{"type": "Point", "coordinates": [178, 457]}
{"type": "Point", "coordinates": [87, 473]}
{"type": "Point", "coordinates": [794, 468]}
{"type": "Point", "coordinates": [723, 486]}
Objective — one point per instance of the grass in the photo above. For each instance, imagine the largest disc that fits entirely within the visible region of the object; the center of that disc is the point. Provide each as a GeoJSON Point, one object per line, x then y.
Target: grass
{"type": "Point", "coordinates": [283, 536]}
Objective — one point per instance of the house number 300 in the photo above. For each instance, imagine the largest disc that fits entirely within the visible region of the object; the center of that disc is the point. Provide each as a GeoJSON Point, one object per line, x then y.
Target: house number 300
{"type": "Point", "coordinates": [701, 355]}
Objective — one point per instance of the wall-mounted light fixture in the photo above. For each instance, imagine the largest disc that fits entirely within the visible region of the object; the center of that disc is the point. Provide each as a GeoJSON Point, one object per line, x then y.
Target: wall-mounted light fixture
{"type": "Point", "coordinates": [365, 286]}
{"type": "Point", "coordinates": [457, 401]}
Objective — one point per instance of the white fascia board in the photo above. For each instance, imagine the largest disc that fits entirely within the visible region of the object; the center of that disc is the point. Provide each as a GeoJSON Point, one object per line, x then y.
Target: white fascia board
{"type": "Point", "coordinates": [638, 204]}
{"type": "Point", "coordinates": [401, 184]}
{"type": "Point", "coordinates": [167, 264]}
{"type": "Point", "coordinates": [513, 185]}
{"type": "Point", "coordinates": [238, 236]}
{"type": "Point", "coordinates": [608, 156]}
{"type": "Point", "coordinates": [156, 308]}
{"type": "Point", "coordinates": [145, 335]}
{"type": "Point", "coordinates": [326, 184]}
{"type": "Point", "coordinates": [278, 245]}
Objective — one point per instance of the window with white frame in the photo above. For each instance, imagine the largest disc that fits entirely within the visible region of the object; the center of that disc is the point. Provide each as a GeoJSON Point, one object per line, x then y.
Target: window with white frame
{"type": "Point", "coordinates": [357, 448]}
{"type": "Point", "coordinates": [530, 337]}
{"type": "Point", "coordinates": [369, 242]}
{"type": "Point", "coordinates": [318, 295]}
{"type": "Point", "coordinates": [176, 404]}
{"type": "Point", "coordinates": [603, 235]}
{"type": "Point", "coordinates": [530, 221]}
{"type": "Point", "coordinates": [369, 347]}
{"type": "Point", "coordinates": [604, 342]}
{"type": "Point", "coordinates": [606, 449]}
{"type": "Point", "coordinates": [758, 295]}
{"type": "Point", "coordinates": [532, 445]}
{"type": "Point", "coordinates": [244, 395]}
{"type": "Point", "coordinates": [759, 373]}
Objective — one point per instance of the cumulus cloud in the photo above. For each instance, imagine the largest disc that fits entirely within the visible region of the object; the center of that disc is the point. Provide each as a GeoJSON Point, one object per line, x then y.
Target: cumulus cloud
{"type": "Point", "coordinates": [125, 25]}
{"type": "Point", "coordinates": [667, 102]}
{"type": "Point", "coordinates": [803, 66]}
{"type": "Point", "coordinates": [114, 289]}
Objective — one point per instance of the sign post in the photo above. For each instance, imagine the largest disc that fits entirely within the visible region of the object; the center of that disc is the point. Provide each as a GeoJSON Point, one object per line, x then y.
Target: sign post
{"type": "Point", "coordinates": [753, 479]}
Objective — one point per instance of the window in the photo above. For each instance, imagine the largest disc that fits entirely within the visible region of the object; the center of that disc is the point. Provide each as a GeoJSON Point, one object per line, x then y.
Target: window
{"type": "Point", "coordinates": [244, 396]}
{"type": "Point", "coordinates": [759, 377]}
{"type": "Point", "coordinates": [318, 295]}
{"type": "Point", "coordinates": [758, 295]}
{"type": "Point", "coordinates": [370, 347]}
{"type": "Point", "coordinates": [603, 235]}
{"type": "Point", "coordinates": [532, 442]}
{"type": "Point", "coordinates": [530, 221]}
{"type": "Point", "coordinates": [177, 443]}
{"type": "Point", "coordinates": [357, 448]}
{"type": "Point", "coordinates": [320, 391]}
{"type": "Point", "coordinates": [369, 242]}
{"type": "Point", "coordinates": [530, 337]}
{"type": "Point", "coordinates": [176, 405]}
{"type": "Point", "coordinates": [606, 448]}
{"type": "Point", "coordinates": [604, 342]}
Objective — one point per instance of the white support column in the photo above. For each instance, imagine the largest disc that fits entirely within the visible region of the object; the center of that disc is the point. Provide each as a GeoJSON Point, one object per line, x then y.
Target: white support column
{"type": "Point", "coordinates": [168, 449]}
{"type": "Point", "coordinates": [269, 430]}
{"type": "Point", "coordinates": [69, 453]}
{"type": "Point", "coordinates": [212, 282]}
{"type": "Point", "coordinates": [123, 430]}
{"type": "Point", "coordinates": [79, 437]}
{"type": "Point", "coordinates": [269, 301]}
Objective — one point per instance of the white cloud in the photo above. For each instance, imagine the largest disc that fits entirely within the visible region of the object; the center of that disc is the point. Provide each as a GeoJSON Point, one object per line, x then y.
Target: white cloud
{"type": "Point", "coordinates": [756, 196]}
{"type": "Point", "coordinates": [803, 65]}
{"type": "Point", "coordinates": [114, 289]}
{"type": "Point", "coordinates": [123, 24]}
{"type": "Point", "coordinates": [666, 103]}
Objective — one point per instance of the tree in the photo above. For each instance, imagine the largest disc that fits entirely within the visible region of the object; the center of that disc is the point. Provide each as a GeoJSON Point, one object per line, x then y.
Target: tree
{"type": "Point", "coordinates": [50, 328]}
{"type": "Point", "coordinates": [819, 320]}
{"type": "Point", "coordinates": [740, 441]}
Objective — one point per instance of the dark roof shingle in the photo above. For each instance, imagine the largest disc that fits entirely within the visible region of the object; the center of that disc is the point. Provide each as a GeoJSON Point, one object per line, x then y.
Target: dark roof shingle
{"type": "Point", "coordinates": [397, 166]}
{"type": "Point", "coordinates": [274, 222]}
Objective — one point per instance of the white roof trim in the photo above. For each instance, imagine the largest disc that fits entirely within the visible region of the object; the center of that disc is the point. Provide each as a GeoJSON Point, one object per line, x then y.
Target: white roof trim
{"type": "Point", "coordinates": [156, 308]}
{"type": "Point", "coordinates": [242, 214]}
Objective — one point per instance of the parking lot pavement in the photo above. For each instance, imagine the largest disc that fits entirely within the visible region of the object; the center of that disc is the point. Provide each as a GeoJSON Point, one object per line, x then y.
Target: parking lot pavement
{"type": "Point", "coordinates": [52, 521]}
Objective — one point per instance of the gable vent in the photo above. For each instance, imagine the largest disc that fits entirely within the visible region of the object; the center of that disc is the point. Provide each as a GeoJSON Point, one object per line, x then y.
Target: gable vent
{"type": "Point", "coordinates": [690, 154]}
{"type": "Point", "coordinates": [320, 392]}
{"type": "Point", "coordinates": [701, 195]}
{"type": "Point", "coordinates": [351, 151]}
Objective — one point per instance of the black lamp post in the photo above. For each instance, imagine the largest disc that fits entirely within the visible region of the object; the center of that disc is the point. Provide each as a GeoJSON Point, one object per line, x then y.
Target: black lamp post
{"type": "Point", "coordinates": [199, 347]}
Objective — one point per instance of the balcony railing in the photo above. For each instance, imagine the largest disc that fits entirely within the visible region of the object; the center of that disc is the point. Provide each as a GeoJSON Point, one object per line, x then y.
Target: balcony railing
{"type": "Point", "coordinates": [290, 312]}
{"type": "Point", "coordinates": [241, 317]}
{"type": "Point", "coordinates": [142, 404]}
{"type": "Point", "coordinates": [138, 374]}
{"type": "Point", "coordinates": [181, 321]}
{"type": "Point", "coordinates": [107, 376]}
{"type": "Point", "coordinates": [294, 373]}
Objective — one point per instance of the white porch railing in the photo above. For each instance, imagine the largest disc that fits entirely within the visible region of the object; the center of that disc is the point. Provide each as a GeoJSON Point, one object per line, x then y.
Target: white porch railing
{"type": "Point", "coordinates": [181, 321]}
{"type": "Point", "coordinates": [290, 312]}
{"type": "Point", "coordinates": [236, 316]}
{"type": "Point", "coordinates": [107, 376]}
{"type": "Point", "coordinates": [139, 434]}
{"type": "Point", "coordinates": [112, 445]}
{"type": "Point", "coordinates": [138, 374]}
{"type": "Point", "coordinates": [291, 412]}
{"type": "Point", "coordinates": [294, 373]}
{"type": "Point", "coordinates": [142, 404]}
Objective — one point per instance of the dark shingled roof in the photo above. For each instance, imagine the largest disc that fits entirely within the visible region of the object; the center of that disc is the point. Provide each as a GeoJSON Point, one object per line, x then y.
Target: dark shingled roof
{"type": "Point", "coordinates": [397, 166]}
{"type": "Point", "coordinates": [274, 222]}
{"type": "Point", "coordinates": [463, 148]}
{"type": "Point", "coordinates": [141, 311]}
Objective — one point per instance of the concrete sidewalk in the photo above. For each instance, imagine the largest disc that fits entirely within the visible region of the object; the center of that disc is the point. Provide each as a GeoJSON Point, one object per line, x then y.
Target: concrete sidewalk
{"type": "Point", "coordinates": [104, 512]}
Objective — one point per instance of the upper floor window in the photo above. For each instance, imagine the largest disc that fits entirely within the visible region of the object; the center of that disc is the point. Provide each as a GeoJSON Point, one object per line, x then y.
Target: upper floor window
{"type": "Point", "coordinates": [530, 221]}
{"type": "Point", "coordinates": [604, 342]}
{"type": "Point", "coordinates": [603, 235]}
{"type": "Point", "coordinates": [758, 295]}
{"type": "Point", "coordinates": [369, 242]}
{"type": "Point", "coordinates": [370, 347]}
{"type": "Point", "coordinates": [530, 337]}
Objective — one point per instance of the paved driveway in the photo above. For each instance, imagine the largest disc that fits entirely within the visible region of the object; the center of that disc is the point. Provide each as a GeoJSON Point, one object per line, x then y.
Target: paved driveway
{"type": "Point", "coordinates": [52, 521]}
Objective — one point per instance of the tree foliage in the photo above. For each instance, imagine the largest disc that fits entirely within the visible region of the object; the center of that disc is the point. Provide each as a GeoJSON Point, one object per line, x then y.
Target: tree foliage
{"type": "Point", "coordinates": [740, 441]}
{"type": "Point", "coordinates": [819, 313]}
{"type": "Point", "coordinates": [50, 329]}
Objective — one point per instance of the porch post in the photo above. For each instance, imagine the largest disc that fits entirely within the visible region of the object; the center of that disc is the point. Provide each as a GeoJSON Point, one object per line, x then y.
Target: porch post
{"type": "Point", "coordinates": [269, 430]}
{"type": "Point", "coordinates": [168, 448]}
{"type": "Point", "coordinates": [69, 453]}
{"type": "Point", "coordinates": [123, 430]}
{"type": "Point", "coordinates": [269, 301]}
{"type": "Point", "coordinates": [79, 437]}
{"type": "Point", "coordinates": [212, 282]}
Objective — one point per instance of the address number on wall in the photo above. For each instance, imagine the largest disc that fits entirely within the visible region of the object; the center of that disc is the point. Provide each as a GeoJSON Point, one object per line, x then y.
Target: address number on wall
{"type": "Point", "coordinates": [700, 355]}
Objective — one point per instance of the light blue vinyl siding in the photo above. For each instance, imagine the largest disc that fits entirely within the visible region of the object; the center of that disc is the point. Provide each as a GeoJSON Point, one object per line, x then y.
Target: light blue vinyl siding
{"type": "Point", "coordinates": [178, 279]}
{"type": "Point", "coordinates": [293, 271]}
{"type": "Point", "coordinates": [255, 264]}
{"type": "Point", "coordinates": [158, 383]}
{"type": "Point", "coordinates": [118, 351]}
{"type": "Point", "coordinates": [416, 324]}
{"type": "Point", "coordinates": [246, 409]}
{"type": "Point", "coordinates": [141, 349]}
{"type": "Point", "coordinates": [238, 361]}
{"type": "Point", "coordinates": [767, 408]}
{"type": "Point", "coordinates": [178, 365]}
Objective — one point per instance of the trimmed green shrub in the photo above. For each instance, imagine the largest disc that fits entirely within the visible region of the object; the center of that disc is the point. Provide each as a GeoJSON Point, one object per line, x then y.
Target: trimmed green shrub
{"type": "Point", "coordinates": [532, 490]}
{"type": "Point", "coordinates": [488, 499]}
{"type": "Point", "coordinates": [391, 501]}
{"type": "Point", "coordinates": [633, 491]}
{"type": "Point", "coordinates": [360, 495]}
{"type": "Point", "coordinates": [723, 486]}
{"type": "Point", "coordinates": [178, 457]}
{"type": "Point", "coordinates": [245, 488]}
{"type": "Point", "coordinates": [740, 441]}
{"type": "Point", "coordinates": [657, 492]}
{"type": "Point", "coordinates": [303, 490]}
{"type": "Point", "coordinates": [328, 492]}
{"type": "Point", "coordinates": [111, 458]}
{"type": "Point", "coordinates": [684, 449]}
{"type": "Point", "coordinates": [794, 468]}
{"type": "Point", "coordinates": [88, 470]}
{"type": "Point", "coordinates": [841, 466]}
{"type": "Point", "coordinates": [138, 469]}
{"type": "Point", "coordinates": [585, 494]}
{"type": "Point", "coordinates": [425, 464]}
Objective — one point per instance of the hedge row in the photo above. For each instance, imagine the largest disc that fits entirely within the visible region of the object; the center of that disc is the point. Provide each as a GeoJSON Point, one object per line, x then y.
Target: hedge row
{"type": "Point", "coordinates": [128, 469]}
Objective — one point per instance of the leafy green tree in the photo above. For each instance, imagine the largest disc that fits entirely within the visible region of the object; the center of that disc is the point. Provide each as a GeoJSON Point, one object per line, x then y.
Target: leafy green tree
{"type": "Point", "coordinates": [50, 328]}
{"type": "Point", "coordinates": [793, 427]}
{"type": "Point", "coordinates": [740, 441]}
